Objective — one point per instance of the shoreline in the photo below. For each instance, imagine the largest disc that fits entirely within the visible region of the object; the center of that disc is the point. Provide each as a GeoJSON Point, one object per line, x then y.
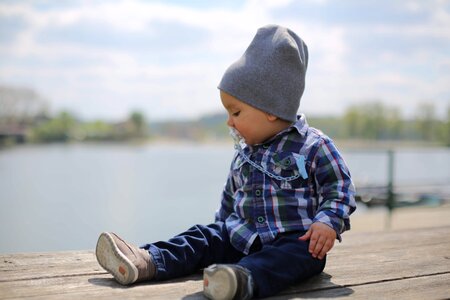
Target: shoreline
{"type": "Point", "coordinates": [366, 145]}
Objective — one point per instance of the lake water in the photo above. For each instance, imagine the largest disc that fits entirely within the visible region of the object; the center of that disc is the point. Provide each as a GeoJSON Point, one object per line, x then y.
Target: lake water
{"type": "Point", "coordinates": [60, 197]}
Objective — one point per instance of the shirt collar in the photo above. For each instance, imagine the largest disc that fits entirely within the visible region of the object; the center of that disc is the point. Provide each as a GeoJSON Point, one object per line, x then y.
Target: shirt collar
{"type": "Point", "coordinates": [300, 125]}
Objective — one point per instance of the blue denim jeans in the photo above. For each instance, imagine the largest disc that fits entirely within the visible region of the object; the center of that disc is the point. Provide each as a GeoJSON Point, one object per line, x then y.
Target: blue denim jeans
{"type": "Point", "coordinates": [274, 266]}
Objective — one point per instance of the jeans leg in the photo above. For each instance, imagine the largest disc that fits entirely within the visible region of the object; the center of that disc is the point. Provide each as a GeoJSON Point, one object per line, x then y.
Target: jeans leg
{"type": "Point", "coordinates": [196, 248]}
{"type": "Point", "coordinates": [282, 263]}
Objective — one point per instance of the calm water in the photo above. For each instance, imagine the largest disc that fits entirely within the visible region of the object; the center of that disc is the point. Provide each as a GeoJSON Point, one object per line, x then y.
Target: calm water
{"type": "Point", "coordinates": [60, 197]}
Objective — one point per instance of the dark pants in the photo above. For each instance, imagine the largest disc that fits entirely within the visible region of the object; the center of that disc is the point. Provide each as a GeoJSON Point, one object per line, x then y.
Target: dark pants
{"type": "Point", "coordinates": [274, 266]}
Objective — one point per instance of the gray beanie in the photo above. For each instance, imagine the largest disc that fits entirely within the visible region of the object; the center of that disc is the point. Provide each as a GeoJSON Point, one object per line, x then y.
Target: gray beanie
{"type": "Point", "coordinates": [270, 76]}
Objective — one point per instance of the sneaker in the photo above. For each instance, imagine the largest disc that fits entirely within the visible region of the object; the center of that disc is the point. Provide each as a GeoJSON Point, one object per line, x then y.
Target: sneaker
{"type": "Point", "coordinates": [127, 263]}
{"type": "Point", "coordinates": [226, 282]}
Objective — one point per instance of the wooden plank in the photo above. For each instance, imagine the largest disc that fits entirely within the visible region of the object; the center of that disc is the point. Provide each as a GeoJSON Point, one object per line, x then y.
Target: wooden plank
{"type": "Point", "coordinates": [40, 265]}
{"type": "Point", "coordinates": [427, 287]}
{"type": "Point", "coordinates": [362, 251]}
{"type": "Point", "coordinates": [99, 287]}
{"type": "Point", "coordinates": [380, 247]}
{"type": "Point", "coordinates": [362, 259]}
{"type": "Point", "coordinates": [400, 254]}
{"type": "Point", "coordinates": [360, 262]}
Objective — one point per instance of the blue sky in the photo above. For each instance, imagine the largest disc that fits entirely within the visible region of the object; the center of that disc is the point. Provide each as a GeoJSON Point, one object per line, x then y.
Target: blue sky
{"type": "Point", "coordinates": [103, 59]}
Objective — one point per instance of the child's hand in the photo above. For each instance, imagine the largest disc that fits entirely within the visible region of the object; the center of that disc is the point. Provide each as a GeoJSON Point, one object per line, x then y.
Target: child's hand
{"type": "Point", "coordinates": [321, 238]}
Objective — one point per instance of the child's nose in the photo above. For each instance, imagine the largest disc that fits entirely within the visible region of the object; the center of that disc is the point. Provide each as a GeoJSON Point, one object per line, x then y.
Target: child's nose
{"type": "Point", "coordinates": [230, 122]}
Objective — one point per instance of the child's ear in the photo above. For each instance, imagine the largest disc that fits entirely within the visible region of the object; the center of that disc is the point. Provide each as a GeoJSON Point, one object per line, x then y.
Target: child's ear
{"type": "Point", "coordinates": [271, 118]}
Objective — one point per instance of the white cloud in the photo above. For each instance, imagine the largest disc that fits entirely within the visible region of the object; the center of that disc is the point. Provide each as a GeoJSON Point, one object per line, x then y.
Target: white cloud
{"type": "Point", "coordinates": [98, 79]}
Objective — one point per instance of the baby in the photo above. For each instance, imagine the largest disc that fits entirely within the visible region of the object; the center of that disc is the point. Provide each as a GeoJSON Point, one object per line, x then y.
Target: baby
{"type": "Point", "coordinates": [287, 198]}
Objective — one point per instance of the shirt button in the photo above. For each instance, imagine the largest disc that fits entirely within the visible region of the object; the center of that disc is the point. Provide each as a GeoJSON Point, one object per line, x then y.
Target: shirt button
{"type": "Point", "coordinates": [265, 146]}
{"type": "Point", "coordinates": [260, 219]}
{"type": "Point", "coordinates": [258, 193]}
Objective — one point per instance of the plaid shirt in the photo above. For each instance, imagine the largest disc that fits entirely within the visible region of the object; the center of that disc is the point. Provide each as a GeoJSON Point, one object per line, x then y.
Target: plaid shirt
{"type": "Point", "coordinates": [256, 204]}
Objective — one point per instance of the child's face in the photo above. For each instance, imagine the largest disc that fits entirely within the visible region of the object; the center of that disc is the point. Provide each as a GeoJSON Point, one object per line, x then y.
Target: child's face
{"type": "Point", "coordinates": [253, 124]}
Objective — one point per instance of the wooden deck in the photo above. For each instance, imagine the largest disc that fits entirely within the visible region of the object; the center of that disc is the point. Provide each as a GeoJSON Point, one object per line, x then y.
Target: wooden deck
{"type": "Point", "coordinates": [406, 264]}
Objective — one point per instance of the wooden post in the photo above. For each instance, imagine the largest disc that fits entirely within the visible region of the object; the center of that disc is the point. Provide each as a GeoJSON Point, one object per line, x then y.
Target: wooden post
{"type": "Point", "coordinates": [390, 203]}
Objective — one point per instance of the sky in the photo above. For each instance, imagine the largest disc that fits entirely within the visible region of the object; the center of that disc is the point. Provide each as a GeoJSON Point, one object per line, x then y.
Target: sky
{"type": "Point", "coordinates": [104, 59]}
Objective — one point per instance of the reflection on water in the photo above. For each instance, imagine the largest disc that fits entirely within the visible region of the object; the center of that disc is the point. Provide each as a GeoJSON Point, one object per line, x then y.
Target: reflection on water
{"type": "Point", "coordinates": [60, 197]}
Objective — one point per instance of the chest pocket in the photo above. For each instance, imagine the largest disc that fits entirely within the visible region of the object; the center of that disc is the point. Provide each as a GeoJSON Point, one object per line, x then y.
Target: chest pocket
{"type": "Point", "coordinates": [285, 161]}
{"type": "Point", "coordinates": [284, 166]}
{"type": "Point", "coordinates": [288, 164]}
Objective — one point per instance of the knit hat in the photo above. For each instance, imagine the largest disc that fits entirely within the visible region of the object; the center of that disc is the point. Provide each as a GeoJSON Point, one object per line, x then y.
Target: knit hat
{"type": "Point", "coordinates": [270, 75]}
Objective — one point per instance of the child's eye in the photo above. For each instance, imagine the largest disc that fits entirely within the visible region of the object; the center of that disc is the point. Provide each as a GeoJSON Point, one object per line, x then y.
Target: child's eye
{"type": "Point", "coordinates": [236, 114]}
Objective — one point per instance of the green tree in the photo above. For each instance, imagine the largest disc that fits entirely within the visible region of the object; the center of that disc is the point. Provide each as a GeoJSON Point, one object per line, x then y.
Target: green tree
{"type": "Point", "coordinates": [97, 130]}
{"type": "Point", "coordinates": [447, 128]}
{"type": "Point", "coordinates": [394, 123]}
{"type": "Point", "coordinates": [444, 129]}
{"type": "Point", "coordinates": [353, 121]}
{"type": "Point", "coordinates": [60, 128]}
{"type": "Point", "coordinates": [372, 120]}
{"type": "Point", "coordinates": [138, 124]}
{"type": "Point", "coordinates": [426, 121]}
{"type": "Point", "coordinates": [374, 115]}
{"type": "Point", "coordinates": [367, 121]}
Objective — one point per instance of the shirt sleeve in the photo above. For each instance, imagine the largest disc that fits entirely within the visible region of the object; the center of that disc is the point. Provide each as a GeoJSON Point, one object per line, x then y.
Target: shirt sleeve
{"type": "Point", "coordinates": [336, 192]}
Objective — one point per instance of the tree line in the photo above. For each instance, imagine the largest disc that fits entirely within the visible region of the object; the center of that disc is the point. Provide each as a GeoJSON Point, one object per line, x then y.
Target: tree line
{"type": "Point", "coordinates": [65, 127]}
{"type": "Point", "coordinates": [368, 121]}
{"type": "Point", "coordinates": [24, 112]}
{"type": "Point", "coordinates": [25, 117]}
{"type": "Point", "coordinates": [377, 121]}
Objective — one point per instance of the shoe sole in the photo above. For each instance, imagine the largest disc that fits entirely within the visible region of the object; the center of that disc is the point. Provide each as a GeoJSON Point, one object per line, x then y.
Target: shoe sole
{"type": "Point", "coordinates": [219, 283]}
{"type": "Point", "coordinates": [112, 260]}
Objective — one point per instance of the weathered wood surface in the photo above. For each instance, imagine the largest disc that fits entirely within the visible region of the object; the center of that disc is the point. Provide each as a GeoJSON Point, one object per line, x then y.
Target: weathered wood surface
{"type": "Point", "coordinates": [407, 264]}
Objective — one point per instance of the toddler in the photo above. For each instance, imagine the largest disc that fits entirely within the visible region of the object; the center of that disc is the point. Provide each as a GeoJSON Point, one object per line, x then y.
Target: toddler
{"type": "Point", "coordinates": [287, 198]}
